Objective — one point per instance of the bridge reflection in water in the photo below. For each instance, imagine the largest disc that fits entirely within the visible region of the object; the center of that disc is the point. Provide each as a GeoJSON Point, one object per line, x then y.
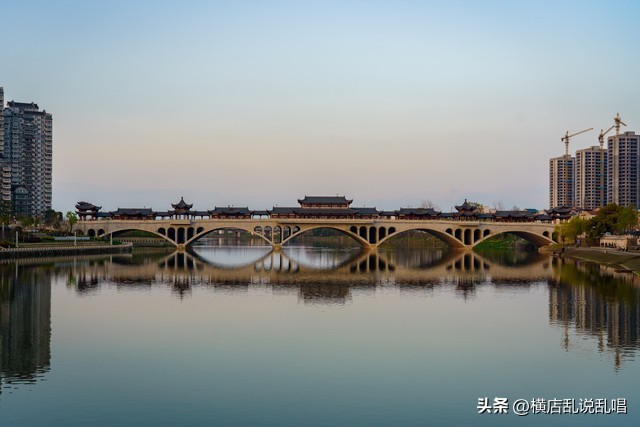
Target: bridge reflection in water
{"type": "Point", "coordinates": [302, 267]}
{"type": "Point", "coordinates": [584, 299]}
{"type": "Point", "coordinates": [587, 303]}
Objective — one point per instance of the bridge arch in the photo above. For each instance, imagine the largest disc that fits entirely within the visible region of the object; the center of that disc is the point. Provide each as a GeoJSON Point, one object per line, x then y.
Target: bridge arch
{"type": "Point", "coordinates": [536, 239]}
{"type": "Point", "coordinates": [447, 238]}
{"type": "Point", "coordinates": [355, 236]}
{"type": "Point", "coordinates": [202, 231]}
{"type": "Point", "coordinates": [103, 233]}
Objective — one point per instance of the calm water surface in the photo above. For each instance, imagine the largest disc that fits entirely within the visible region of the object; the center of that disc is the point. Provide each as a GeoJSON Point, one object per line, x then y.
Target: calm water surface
{"type": "Point", "coordinates": [312, 336]}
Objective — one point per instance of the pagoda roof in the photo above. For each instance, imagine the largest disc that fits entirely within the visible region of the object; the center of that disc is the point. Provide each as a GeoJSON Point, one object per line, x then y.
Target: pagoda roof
{"type": "Point", "coordinates": [230, 210]}
{"type": "Point", "coordinates": [182, 205]}
{"type": "Point", "coordinates": [200, 213]}
{"type": "Point", "coordinates": [513, 214]}
{"type": "Point", "coordinates": [103, 215]}
{"type": "Point", "coordinates": [388, 213]}
{"type": "Point", "coordinates": [86, 206]}
{"type": "Point", "coordinates": [281, 210]}
{"type": "Point", "coordinates": [543, 217]}
{"type": "Point", "coordinates": [418, 211]}
{"type": "Point", "coordinates": [260, 212]}
{"type": "Point", "coordinates": [133, 211]}
{"type": "Point", "coordinates": [165, 213]}
{"type": "Point", "coordinates": [464, 213]}
{"type": "Point", "coordinates": [560, 210]}
{"type": "Point", "coordinates": [326, 211]}
{"type": "Point", "coordinates": [325, 200]}
{"type": "Point", "coordinates": [466, 206]}
{"type": "Point", "coordinates": [367, 211]}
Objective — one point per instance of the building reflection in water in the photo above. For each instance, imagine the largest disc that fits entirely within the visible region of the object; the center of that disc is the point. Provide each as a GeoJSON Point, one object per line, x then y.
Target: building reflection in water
{"type": "Point", "coordinates": [596, 301]}
{"type": "Point", "coordinates": [25, 324]}
{"type": "Point", "coordinates": [582, 297]}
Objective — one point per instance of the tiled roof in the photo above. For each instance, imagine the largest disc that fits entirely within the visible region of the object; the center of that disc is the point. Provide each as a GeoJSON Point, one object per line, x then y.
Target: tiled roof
{"type": "Point", "coordinates": [182, 205]}
{"type": "Point", "coordinates": [325, 200]}
{"type": "Point", "coordinates": [367, 211]}
{"type": "Point", "coordinates": [418, 211]}
{"type": "Point", "coordinates": [282, 210]}
{"type": "Point", "coordinates": [230, 211]}
{"type": "Point", "coordinates": [133, 211]}
{"type": "Point", "coordinates": [326, 211]}
{"type": "Point", "coordinates": [86, 206]}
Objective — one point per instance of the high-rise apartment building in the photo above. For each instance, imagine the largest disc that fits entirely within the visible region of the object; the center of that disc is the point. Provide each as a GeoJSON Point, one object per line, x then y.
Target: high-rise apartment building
{"type": "Point", "coordinates": [1, 119]}
{"type": "Point", "coordinates": [561, 176]}
{"type": "Point", "coordinates": [28, 150]}
{"type": "Point", "coordinates": [622, 169]}
{"type": "Point", "coordinates": [591, 178]}
{"type": "Point", "coordinates": [5, 167]}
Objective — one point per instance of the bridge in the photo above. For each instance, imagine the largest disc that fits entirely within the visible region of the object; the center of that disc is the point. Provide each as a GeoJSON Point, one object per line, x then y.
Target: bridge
{"type": "Point", "coordinates": [183, 226]}
{"type": "Point", "coordinates": [369, 233]}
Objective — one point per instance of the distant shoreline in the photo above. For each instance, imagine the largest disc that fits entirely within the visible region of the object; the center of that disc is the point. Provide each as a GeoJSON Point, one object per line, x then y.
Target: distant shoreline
{"type": "Point", "coordinates": [31, 251]}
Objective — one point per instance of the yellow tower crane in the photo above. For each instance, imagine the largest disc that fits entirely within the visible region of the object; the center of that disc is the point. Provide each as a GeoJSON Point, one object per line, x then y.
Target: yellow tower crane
{"type": "Point", "coordinates": [618, 121]}
{"type": "Point", "coordinates": [603, 133]}
{"type": "Point", "coordinates": [566, 139]}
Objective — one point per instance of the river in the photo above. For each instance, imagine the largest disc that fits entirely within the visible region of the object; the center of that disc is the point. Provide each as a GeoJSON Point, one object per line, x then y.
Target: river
{"type": "Point", "coordinates": [316, 336]}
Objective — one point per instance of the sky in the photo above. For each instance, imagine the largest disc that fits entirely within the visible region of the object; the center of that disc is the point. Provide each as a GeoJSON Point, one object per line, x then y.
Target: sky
{"type": "Point", "coordinates": [258, 103]}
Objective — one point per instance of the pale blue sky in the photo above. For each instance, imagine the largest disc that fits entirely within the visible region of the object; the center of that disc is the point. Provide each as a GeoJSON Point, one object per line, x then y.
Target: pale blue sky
{"type": "Point", "coordinates": [261, 102]}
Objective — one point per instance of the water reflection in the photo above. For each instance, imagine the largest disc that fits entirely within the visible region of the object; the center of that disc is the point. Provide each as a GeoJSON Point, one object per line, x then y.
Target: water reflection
{"type": "Point", "coordinates": [318, 276]}
{"type": "Point", "coordinates": [25, 325]}
{"type": "Point", "coordinates": [599, 302]}
{"type": "Point", "coordinates": [584, 299]}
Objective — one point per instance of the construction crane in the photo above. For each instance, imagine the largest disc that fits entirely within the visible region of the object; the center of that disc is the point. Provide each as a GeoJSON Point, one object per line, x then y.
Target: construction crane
{"type": "Point", "coordinates": [603, 133]}
{"type": "Point", "coordinates": [618, 121]}
{"type": "Point", "coordinates": [566, 139]}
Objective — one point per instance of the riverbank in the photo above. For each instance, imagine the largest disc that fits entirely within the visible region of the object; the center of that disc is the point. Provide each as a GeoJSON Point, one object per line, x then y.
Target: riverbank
{"type": "Point", "coordinates": [629, 261]}
{"type": "Point", "coordinates": [64, 250]}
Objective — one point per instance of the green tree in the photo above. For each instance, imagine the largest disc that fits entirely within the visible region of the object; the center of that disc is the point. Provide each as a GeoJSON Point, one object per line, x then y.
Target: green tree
{"type": "Point", "coordinates": [72, 218]}
{"type": "Point", "coordinates": [627, 219]}
{"type": "Point", "coordinates": [612, 219]}
{"type": "Point", "coordinates": [570, 230]}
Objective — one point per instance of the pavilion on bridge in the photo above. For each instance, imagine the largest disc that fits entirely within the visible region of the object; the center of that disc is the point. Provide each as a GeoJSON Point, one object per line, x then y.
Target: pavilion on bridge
{"type": "Point", "coordinates": [323, 207]}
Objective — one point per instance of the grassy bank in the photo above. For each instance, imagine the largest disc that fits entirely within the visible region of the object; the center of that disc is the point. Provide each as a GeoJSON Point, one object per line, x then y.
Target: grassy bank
{"type": "Point", "coordinates": [625, 260]}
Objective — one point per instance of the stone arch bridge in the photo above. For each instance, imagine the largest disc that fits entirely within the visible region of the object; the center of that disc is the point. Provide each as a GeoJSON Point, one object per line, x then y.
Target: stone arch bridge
{"type": "Point", "coordinates": [368, 232]}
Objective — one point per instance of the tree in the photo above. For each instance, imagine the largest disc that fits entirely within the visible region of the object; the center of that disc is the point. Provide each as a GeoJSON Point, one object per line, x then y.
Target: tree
{"type": "Point", "coordinates": [5, 212]}
{"type": "Point", "coordinates": [627, 219]}
{"type": "Point", "coordinates": [50, 217]}
{"type": "Point", "coordinates": [428, 204]}
{"type": "Point", "coordinates": [603, 222]}
{"type": "Point", "coordinates": [497, 205]}
{"type": "Point", "coordinates": [612, 219]}
{"type": "Point", "coordinates": [570, 230]}
{"type": "Point", "coordinates": [72, 218]}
